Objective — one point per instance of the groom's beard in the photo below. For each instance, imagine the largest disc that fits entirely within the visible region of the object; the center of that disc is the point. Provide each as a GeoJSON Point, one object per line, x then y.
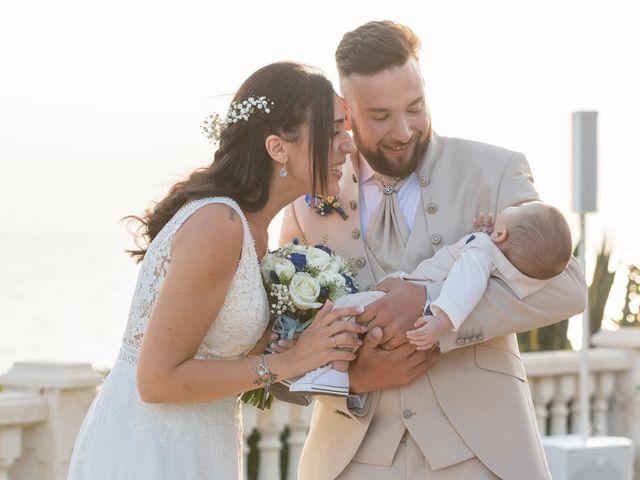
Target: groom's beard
{"type": "Point", "coordinates": [381, 164]}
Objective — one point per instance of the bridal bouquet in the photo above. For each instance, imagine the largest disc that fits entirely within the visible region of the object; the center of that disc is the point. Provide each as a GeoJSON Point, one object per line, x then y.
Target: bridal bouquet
{"type": "Point", "coordinates": [299, 279]}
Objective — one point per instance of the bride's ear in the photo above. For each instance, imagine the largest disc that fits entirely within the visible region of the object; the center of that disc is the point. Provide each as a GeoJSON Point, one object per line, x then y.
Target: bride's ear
{"type": "Point", "coordinates": [277, 149]}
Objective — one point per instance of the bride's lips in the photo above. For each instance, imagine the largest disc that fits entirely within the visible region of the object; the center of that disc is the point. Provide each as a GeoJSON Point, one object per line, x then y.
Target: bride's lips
{"type": "Point", "coordinates": [336, 169]}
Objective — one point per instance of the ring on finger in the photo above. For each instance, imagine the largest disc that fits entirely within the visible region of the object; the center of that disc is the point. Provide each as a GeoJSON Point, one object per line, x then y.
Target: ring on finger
{"type": "Point", "coordinates": [333, 340]}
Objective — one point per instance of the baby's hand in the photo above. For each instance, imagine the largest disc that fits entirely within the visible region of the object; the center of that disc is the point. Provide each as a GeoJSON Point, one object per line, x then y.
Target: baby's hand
{"type": "Point", "coordinates": [484, 223]}
{"type": "Point", "coordinates": [428, 332]}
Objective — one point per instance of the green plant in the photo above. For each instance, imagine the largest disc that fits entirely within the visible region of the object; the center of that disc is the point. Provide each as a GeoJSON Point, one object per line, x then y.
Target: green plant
{"type": "Point", "coordinates": [600, 288]}
{"type": "Point", "coordinates": [551, 337]}
{"type": "Point", "coordinates": [630, 311]}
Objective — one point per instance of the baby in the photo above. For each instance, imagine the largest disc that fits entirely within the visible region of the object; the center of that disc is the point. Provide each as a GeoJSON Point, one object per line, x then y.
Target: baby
{"type": "Point", "coordinates": [525, 246]}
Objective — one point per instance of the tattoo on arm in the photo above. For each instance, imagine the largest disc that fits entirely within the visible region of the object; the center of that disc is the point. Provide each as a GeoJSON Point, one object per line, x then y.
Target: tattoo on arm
{"type": "Point", "coordinates": [232, 215]}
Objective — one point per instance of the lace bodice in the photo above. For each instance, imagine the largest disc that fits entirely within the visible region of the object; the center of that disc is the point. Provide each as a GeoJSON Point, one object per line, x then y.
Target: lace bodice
{"type": "Point", "coordinates": [244, 314]}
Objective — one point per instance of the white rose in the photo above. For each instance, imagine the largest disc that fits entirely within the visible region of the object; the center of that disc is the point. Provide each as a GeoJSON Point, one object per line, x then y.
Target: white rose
{"type": "Point", "coordinates": [317, 258]}
{"type": "Point", "coordinates": [266, 265]}
{"type": "Point", "coordinates": [297, 248]}
{"type": "Point", "coordinates": [332, 267]}
{"type": "Point", "coordinates": [304, 291]}
{"type": "Point", "coordinates": [330, 278]}
{"type": "Point", "coordinates": [284, 269]}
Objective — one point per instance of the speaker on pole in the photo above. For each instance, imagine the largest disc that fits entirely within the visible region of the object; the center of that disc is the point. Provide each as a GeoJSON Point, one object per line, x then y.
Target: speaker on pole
{"type": "Point", "coordinates": [582, 457]}
{"type": "Point", "coordinates": [585, 161]}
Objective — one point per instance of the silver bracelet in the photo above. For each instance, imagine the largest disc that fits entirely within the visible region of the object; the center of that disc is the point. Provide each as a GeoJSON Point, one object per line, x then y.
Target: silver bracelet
{"type": "Point", "coordinates": [263, 370]}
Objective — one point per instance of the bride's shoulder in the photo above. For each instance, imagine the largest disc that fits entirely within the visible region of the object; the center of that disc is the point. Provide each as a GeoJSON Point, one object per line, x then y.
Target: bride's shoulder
{"type": "Point", "coordinates": [213, 226]}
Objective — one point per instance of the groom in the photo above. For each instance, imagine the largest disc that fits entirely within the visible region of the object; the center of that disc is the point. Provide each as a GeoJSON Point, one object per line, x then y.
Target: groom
{"type": "Point", "coordinates": [465, 413]}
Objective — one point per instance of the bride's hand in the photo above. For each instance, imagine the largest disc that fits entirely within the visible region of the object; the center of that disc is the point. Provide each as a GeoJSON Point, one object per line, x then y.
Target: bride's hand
{"type": "Point", "coordinates": [278, 346]}
{"type": "Point", "coordinates": [317, 344]}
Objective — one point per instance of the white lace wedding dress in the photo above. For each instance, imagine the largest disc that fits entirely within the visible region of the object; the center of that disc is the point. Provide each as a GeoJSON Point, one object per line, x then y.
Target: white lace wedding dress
{"type": "Point", "coordinates": [124, 438]}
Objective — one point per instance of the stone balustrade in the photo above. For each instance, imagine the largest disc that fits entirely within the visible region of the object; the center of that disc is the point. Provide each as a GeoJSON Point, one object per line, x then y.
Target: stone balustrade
{"type": "Point", "coordinates": [55, 398]}
{"type": "Point", "coordinates": [554, 384]}
{"type": "Point", "coordinates": [43, 404]}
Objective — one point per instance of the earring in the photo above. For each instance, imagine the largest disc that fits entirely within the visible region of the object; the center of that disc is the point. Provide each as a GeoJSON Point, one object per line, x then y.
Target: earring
{"type": "Point", "coordinates": [283, 170]}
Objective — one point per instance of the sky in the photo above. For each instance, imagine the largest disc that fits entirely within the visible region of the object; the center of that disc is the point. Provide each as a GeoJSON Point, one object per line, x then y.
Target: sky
{"type": "Point", "coordinates": [101, 102]}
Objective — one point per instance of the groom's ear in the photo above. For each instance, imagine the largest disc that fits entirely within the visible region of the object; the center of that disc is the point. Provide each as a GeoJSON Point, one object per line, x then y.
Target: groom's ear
{"type": "Point", "coordinates": [276, 148]}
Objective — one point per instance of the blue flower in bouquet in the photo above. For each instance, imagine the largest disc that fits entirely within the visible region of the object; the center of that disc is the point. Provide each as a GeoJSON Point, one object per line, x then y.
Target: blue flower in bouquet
{"type": "Point", "coordinates": [298, 260]}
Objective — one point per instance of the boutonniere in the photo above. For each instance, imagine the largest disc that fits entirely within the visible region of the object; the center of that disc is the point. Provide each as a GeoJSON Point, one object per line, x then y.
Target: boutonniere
{"type": "Point", "coordinates": [326, 205]}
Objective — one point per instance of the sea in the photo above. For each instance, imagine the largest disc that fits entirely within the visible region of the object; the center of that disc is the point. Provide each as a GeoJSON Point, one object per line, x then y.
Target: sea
{"type": "Point", "coordinates": [64, 297]}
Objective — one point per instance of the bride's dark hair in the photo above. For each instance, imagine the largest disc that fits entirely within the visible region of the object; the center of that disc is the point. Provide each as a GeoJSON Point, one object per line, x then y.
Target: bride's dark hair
{"type": "Point", "coordinates": [242, 167]}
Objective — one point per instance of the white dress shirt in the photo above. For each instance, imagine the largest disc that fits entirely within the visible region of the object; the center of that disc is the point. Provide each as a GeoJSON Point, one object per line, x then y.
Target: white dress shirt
{"type": "Point", "coordinates": [408, 197]}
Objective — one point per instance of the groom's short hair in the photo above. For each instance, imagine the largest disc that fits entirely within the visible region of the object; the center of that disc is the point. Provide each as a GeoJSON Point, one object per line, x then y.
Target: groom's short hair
{"type": "Point", "coordinates": [376, 46]}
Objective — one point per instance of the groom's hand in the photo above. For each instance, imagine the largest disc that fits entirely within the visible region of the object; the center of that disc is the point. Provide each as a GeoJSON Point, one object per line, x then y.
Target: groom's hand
{"type": "Point", "coordinates": [378, 369]}
{"type": "Point", "coordinates": [396, 312]}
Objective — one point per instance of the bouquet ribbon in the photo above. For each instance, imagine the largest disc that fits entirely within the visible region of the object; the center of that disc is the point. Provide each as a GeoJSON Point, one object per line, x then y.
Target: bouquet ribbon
{"type": "Point", "coordinates": [287, 327]}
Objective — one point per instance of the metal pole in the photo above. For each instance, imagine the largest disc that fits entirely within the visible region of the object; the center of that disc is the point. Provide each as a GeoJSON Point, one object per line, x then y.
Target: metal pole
{"type": "Point", "coordinates": [585, 411]}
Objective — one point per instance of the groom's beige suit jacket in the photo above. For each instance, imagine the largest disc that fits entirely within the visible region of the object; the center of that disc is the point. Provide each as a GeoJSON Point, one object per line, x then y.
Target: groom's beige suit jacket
{"type": "Point", "coordinates": [475, 401]}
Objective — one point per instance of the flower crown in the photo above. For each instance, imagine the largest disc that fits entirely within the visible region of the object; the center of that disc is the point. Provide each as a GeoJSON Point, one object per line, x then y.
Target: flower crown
{"type": "Point", "coordinates": [214, 124]}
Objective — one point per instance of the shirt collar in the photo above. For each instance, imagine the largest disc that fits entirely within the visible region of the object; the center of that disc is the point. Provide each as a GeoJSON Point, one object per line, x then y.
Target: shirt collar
{"type": "Point", "coordinates": [366, 172]}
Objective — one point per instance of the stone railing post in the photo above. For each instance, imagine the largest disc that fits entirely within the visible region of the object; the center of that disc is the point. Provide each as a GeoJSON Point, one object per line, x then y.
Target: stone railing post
{"type": "Point", "coordinates": [18, 411]}
{"type": "Point", "coordinates": [269, 444]}
{"type": "Point", "coordinates": [67, 390]}
{"type": "Point", "coordinates": [298, 428]}
{"type": "Point", "coordinates": [628, 339]}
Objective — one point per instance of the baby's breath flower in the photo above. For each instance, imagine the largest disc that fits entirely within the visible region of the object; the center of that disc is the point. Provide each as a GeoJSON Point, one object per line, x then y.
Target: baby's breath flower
{"type": "Point", "coordinates": [214, 124]}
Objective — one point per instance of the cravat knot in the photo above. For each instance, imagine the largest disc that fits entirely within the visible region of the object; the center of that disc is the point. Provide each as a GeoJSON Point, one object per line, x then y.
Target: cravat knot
{"type": "Point", "coordinates": [387, 184]}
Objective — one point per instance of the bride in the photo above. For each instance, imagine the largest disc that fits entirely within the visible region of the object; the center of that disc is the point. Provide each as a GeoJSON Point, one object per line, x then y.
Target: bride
{"type": "Point", "coordinates": [169, 408]}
